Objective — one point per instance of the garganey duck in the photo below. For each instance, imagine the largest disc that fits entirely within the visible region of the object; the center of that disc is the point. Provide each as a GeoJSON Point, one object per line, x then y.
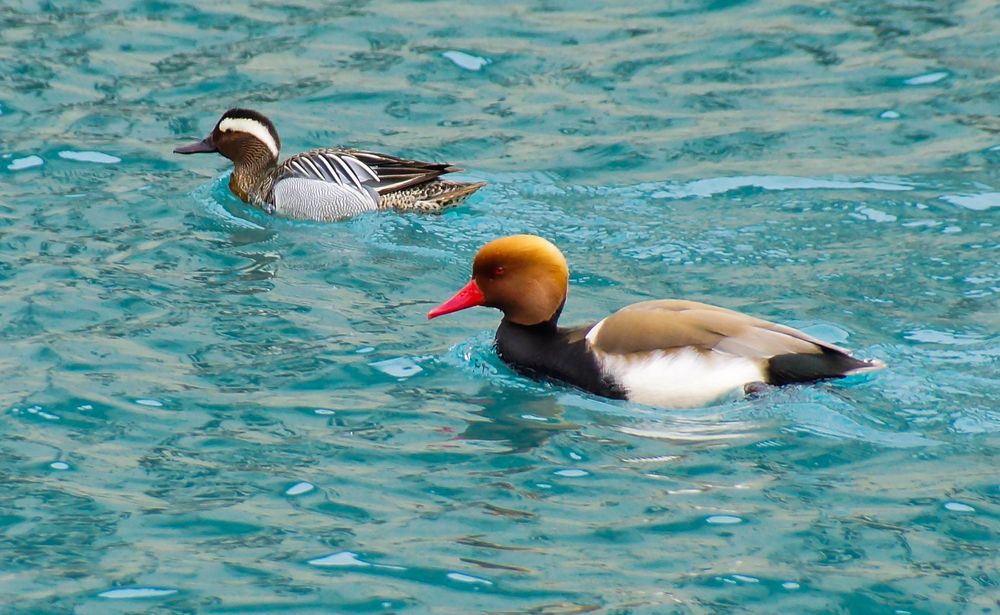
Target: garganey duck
{"type": "Point", "coordinates": [323, 184]}
{"type": "Point", "coordinates": [668, 353]}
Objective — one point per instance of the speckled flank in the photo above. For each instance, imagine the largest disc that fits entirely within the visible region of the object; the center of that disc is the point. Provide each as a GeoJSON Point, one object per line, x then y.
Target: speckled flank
{"type": "Point", "coordinates": [432, 197]}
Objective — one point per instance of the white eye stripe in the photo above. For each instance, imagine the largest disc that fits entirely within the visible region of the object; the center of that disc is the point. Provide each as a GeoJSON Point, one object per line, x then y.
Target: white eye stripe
{"type": "Point", "coordinates": [251, 127]}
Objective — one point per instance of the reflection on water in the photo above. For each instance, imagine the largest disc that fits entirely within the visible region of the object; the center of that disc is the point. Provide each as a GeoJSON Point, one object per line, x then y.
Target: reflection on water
{"type": "Point", "coordinates": [522, 425]}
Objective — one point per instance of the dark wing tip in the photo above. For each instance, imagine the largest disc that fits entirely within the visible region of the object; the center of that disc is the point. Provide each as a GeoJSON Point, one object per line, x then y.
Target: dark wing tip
{"type": "Point", "coordinates": [808, 367]}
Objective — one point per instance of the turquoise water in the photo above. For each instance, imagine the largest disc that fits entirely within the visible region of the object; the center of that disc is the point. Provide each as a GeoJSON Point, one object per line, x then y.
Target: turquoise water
{"type": "Point", "coordinates": [208, 410]}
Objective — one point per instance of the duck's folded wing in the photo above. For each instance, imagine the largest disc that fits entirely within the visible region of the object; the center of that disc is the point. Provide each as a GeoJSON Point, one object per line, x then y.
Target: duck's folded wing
{"type": "Point", "coordinates": [667, 325]}
{"type": "Point", "coordinates": [363, 170]}
{"type": "Point", "coordinates": [337, 168]}
{"type": "Point", "coordinates": [398, 173]}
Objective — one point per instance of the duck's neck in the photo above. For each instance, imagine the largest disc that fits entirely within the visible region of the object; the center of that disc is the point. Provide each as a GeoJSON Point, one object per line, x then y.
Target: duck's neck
{"type": "Point", "coordinates": [545, 350]}
{"type": "Point", "coordinates": [250, 174]}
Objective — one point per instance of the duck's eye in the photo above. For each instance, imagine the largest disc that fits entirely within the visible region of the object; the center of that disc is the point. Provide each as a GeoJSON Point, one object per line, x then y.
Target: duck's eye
{"type": "Point", "coordinates": [498, 271]}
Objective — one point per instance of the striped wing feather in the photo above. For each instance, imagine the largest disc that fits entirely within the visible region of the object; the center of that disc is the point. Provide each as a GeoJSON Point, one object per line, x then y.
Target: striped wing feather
{"type": "Point", "coordinates": [362, 170]}
{"type": "Point", "coordinates": [399, 173]}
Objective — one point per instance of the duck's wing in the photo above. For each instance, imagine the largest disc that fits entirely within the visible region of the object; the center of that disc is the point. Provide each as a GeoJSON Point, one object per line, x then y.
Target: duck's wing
{"type": "Point", "coordinates": [362, 170]}
{"type": "Point", "coordinates": [395, 173]}
{"type": "Point", "coordinates": [338, 168]}
{"type": "Point", "coordinates": [671, 325]}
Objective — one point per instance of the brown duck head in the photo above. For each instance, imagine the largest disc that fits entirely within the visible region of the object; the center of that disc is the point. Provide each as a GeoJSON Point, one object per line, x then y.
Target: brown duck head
{"type": "Point", "coordinates": [523, 276]}
{"type": "Point", "coordinates": [240, 135]}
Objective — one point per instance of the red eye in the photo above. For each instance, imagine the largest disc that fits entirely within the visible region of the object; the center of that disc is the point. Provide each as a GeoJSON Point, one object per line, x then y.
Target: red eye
{"type": "Point", "coordinates": [497, 271]}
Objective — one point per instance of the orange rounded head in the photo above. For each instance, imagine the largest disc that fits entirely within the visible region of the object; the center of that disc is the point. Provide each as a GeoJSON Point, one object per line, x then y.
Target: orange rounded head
{"type": "Point", "coordinates": [523, 276]}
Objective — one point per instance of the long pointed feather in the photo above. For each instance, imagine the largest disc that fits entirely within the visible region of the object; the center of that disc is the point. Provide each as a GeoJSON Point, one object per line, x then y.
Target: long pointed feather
{"type": "Point", "coordinates": [363, 170]}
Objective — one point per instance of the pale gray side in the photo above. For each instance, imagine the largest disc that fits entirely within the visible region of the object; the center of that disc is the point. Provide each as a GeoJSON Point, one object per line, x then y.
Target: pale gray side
{"type": "Point", "coordinates": [312, 199]}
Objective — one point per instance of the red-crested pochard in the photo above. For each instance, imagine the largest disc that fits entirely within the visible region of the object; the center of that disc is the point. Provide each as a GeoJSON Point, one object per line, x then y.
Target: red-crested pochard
{"type": "Point", "coordinates": [669, 353]}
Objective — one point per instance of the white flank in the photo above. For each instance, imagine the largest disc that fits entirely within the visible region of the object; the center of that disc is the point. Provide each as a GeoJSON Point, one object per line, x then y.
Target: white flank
{"type": "Point", "coordinates": [252, 127]}
{"type": "Point", "coordinates": [592, 334]}
{"type": "Point", "coordinates": [683, 378]}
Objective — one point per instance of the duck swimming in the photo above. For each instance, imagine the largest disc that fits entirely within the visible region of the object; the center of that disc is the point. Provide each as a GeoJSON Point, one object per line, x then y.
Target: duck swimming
{"type": "Point", "coordinates": [323, 184]}
{"type": "Point", "coordinates": [669, 353]}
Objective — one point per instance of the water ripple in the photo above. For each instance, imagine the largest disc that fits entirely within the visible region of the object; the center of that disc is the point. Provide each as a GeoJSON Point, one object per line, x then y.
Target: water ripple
{"type": "Point", "coordinates": [188, 380]}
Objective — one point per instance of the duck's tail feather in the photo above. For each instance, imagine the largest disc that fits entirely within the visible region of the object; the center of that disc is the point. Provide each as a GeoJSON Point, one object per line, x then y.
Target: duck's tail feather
{"type": "Point", "coordinates": [432, 197]}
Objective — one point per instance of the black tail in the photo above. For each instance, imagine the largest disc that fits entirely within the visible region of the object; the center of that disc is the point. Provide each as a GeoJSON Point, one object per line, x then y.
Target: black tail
{"type": "Point", "coordinates": [789, 368]}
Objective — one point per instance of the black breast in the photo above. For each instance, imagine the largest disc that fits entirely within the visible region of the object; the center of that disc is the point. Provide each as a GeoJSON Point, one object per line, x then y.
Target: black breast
{"type": "Point", "coordinates": [546, 351]}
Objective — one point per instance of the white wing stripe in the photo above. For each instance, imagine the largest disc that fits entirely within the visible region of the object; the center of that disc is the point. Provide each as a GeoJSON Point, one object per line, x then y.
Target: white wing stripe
{"type": "Point", "coordinates": [326, 163]}
{"type": "Point", "coordinates": [348, 172]}
{"type": "Point", "coordinates": [363, 170]}
{"type": "Point", "coordinates": [340, 169]}
{"type": "Point", "coordinates": [315, 169]}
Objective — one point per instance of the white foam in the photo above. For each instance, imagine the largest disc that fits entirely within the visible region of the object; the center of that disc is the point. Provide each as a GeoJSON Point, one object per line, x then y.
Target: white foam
{"type": "Point", "coordinates": [975, 202]}
{"type": "Point", "coordinates": [397, 368]}
{"type": "Point", "coordinates": [136, 592]}
{"type": "Point", "coordinates": [931, 336]}
{"type": "Point", "coordinates": [535, 417]}
{"type": "Point", "coordinates": [723, 520]}
{"type": "Point", "coordinates": [958, 507]}
{"type": "Point", "coordinates": [300, 488]}
{"type": "Point", "coordinates": [466, 61]}
{"type": "Point", "coordinates": [343, 558]}
{"type": "Point", "coordinates": [653, 459]}
{"type": "Point", "coordinates": [89, 156]}
{"type": "Point", "coordinates": [875, 215]}
{"type": "Point", "coordinates": [27, 162]}
{"type": "Point", "coordinates": [926, 79]}
{"type": "Point", "coordinates": [721, 185]}
{"type": "Point", "coordinates": [468, 578]}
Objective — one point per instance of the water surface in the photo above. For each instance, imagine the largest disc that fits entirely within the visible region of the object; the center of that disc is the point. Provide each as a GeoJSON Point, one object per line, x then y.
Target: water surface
{"type": "Point", "coordinates": [209, 410]}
